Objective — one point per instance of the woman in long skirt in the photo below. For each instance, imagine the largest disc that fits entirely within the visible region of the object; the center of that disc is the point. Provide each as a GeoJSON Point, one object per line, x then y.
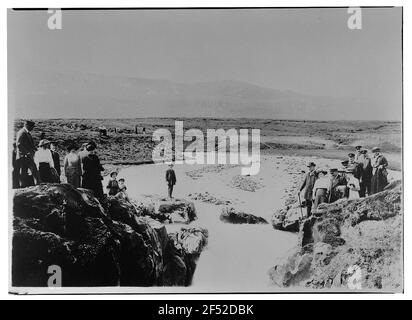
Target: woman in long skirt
{"type": "Point", "coordinates": [379, 178]}
{"type": "Point", "coordinates": [72, 167]}
{"type": "Point", "coordinates": [44, 161]}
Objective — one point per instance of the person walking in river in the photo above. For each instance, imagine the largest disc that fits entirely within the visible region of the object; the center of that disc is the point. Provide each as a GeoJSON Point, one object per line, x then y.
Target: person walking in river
{"type": "Point", "coordinates": [92, 178]}
{"type": "Point", "coordinates": [321, 188]}
{"type": "Point", "coordinates": [308, 185]}
{"type": "Point", "coordinates": [72, 166]}
{"type": "Point", "coordinates": [379, 164]}
{"type": "Point", "coordinates": [171, 180]}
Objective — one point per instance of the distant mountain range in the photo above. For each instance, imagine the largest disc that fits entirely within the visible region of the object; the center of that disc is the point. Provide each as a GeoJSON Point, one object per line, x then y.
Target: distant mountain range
{"type": "Point", "coordinates": [69, 95]}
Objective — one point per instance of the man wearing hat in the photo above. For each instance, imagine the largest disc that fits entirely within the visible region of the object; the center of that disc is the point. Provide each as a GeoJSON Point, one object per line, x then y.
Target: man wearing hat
{"type": "Point", "coordinates": [337, 189]}
{"type": "Point", "coordinates": [308, 185]}
{"type": "Point", "coordinates": [43, 159]}
{"type": "Point", "coordinates": [366, 177]}
{"type": "Point", "coordinates": [170, 179]}
{"type": "Point", "coordinates": [379, 165]}
{"type": "Point", "coordinates": [25, 153]}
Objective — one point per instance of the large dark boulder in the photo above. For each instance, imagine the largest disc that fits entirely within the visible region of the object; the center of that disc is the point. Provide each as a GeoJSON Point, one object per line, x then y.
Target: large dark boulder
{"type": "Point", "coordinates": [231, 215]}
{"type": "Point", "coordinates": [94, 244]}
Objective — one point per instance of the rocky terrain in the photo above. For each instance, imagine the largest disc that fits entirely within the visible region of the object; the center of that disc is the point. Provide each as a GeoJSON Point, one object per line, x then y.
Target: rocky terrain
{"type": "Point", "coordinates": [350, 244]}
{"type": "Point", "coordinates": [107, 243]}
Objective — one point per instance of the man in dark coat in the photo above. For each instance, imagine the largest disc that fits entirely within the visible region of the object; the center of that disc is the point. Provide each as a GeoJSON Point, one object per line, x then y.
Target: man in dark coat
{"type": "Point", "coordinates": [355, 166]}
{"type": "Point", "coordinates": [365, 181]}
{"type": "Point", "coordinates": [56, 160]}
{"type": "Point", "coordinates": [337, 189]}
{"type": "Point", "coordinates": [379, 179]}
{"type": "Point", "coordinates": [25, 153]}
{"type": "Point", "coordinates": [170, 179]}
{"type": "Point", "coordinates": [308, 184]}
{"type": "Point", "coordinates": [92, 178]}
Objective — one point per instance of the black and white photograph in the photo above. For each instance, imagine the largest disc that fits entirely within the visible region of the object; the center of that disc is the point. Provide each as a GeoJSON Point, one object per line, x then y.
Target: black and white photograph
{"type": "Point", "coordinates": [205, 150]}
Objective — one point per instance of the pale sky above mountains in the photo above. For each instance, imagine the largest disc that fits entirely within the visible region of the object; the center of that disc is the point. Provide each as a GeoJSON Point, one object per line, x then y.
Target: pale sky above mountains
{"type": "Point", "coordinates": [302, 56]}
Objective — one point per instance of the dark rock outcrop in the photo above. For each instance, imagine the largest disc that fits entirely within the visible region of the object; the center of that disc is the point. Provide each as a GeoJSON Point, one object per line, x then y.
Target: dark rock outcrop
{"type": "Point", "coordinates": [230, 215]}
{"type": "Point", "coordinates": [350, 244]}
{"type": "Point", "coordinates": [108, 244]}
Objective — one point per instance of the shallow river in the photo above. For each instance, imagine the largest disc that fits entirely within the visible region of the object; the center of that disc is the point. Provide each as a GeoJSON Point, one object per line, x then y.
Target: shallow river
{"type": "Point", "coordinates": [237, 257]}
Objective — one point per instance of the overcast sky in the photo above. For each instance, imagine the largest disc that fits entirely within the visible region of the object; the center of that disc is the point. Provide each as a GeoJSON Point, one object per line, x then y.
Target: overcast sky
{"type": "Point", "coordinates": [310, 51]}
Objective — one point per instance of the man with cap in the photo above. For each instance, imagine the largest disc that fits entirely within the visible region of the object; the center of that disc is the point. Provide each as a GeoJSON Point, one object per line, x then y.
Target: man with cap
{"type": "Point", "coordinates": [379, 165]}
{"type": "Point", "coordinates": [337, 189]}
{"type": "Point", "coordinates": [365, 180]}
{"type": "Point", "coordinates": [308, 185]}
{"type": "Point", "coordinates": [25, 153]}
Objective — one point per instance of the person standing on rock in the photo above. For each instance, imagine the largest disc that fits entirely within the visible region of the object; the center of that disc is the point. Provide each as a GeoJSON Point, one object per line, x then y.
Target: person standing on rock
{"type": "Point", "coordinates": [56, 161]}
{"type": "Point", "coordinates": [353, 184]}
{"type": "Point", "coordinates": [25, 154]}
{"type": "Point", "coordinates": [355, 166]}
{"type": "Point", "coordinates": [358, 155]}
{"type": "Point", "coordinates": [72, 166]}
{"type": "Point", "coordinates": [171, 180]}
{"type": "Point", "coordinates": [92, 178]}
{"type": "Point", "coordinates": [365, 181]}
{"type": "Point", "coordinates": [379, 164]}
{"type": "Point", "coordinates": [320, 188]}
{"type": "Point", "coordinates": [44, 161]}
{"type": "Point", "coordinates": [337, 188]}
{"type": "Point", "coordinates": [308, 185]}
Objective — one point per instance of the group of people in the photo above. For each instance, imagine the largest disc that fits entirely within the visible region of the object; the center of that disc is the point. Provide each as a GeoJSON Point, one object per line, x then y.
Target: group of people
{"type": "Point", "coordinates": [42, 161]}
{"type": "Point", "coordinates": [33, 165]}
{"type": "Point", "coordinates": [358, 177]}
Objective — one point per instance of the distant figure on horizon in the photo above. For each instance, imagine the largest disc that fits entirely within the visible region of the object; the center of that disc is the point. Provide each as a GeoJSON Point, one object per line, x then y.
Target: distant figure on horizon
{"type": "Point", "coordinates": [379, 179]}
{"type": "Point", "coordinates": [308, 185]}
{"type": "Point", "coordinates": [92, 178]}
{"type": "Point", "coordinates": [25, 154]}
{"type": "Point", "coordinates": [56, 161]}
{"type": "Point", "coordinates": [171, 180]}
{"type": "Point", "coordinates": [44, 161]}
{"type": "Point", "coordinates": [72, 166]}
